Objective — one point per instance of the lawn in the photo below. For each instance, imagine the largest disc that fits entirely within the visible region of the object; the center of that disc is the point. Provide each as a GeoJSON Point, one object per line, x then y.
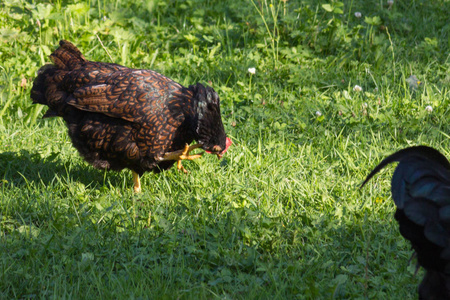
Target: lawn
{"type": "Point", "coordinates": [281, 216]}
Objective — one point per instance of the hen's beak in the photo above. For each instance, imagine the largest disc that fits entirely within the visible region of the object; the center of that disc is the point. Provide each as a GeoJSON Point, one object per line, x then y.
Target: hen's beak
{"type": "Point", "coordinates": [217, 150]}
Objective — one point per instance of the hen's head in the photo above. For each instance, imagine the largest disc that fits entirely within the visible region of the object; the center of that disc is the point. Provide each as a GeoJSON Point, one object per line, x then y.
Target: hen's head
{"type": "Point", "coordinates": [210, 132]}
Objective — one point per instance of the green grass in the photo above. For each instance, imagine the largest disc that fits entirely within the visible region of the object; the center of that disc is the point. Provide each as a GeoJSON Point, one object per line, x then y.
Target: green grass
{"type": "Point", "coordinates": [281, 215]}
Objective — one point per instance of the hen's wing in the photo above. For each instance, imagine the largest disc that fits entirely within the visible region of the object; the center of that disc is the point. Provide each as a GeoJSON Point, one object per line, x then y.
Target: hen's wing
{"type": "Point", "coordinates": [420, 188]}
{"type": "Point", "coordinates": [132, 95]}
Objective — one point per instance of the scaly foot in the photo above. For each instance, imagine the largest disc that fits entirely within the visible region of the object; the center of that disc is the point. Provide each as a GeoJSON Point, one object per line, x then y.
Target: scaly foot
{"type": "Point", "coordinates": [137, 182]}
{"type": "Point", "coordinates": [182, 154]}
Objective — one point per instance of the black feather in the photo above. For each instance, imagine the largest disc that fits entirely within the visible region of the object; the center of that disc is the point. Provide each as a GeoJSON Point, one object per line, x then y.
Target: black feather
{"type": "Point", "coordinates": [420, 188]}
{"type": "Point", "coordinates": [209, 119]}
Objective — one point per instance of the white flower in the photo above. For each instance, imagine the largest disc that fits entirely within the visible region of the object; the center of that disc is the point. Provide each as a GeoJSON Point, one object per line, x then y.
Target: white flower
{"type": "Point", "coordinates": [390, 2]}
{"type": "Point", "coordinates": [429, 108]}
{"type": "Point", "coordinates": [252, 70]}
{"type": "Point", "coordinates": [375, 89]}
{"type": "Point", "coordinates": [318, 113]}
{"type": "Point", "coordinates": [358, 14]}
{"type": "Point", "coordinates": [357, 88]}
{"type": "Point", "coordinates": [365, 105]}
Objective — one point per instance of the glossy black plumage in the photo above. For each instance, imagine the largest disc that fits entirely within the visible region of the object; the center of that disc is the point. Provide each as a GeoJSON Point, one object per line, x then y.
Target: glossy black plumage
{"type": "Point", "coordinates": [119, 117]}
{"type": "Point", "coordinates": [421, 191]}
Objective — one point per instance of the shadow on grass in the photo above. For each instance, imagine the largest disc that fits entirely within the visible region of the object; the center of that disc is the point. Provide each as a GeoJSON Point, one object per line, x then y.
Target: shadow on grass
{"type": "Point", "coordinates": [168, 258]}
{"type": "Point", "coordinates": [25, 166]}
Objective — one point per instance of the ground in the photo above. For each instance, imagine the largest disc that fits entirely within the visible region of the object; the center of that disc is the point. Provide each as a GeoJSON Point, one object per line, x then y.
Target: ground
{"type": "Point", "coordinates": [281, 215]}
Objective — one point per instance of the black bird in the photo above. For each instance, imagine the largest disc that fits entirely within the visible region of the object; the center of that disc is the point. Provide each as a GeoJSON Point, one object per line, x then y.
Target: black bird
{"type": "Point", "coordinates": [420, 188]}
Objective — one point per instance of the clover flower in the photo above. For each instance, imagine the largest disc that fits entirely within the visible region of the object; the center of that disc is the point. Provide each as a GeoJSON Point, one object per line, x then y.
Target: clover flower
{"type": "Point", "coordinates": [358, 14]}
{"type": "Point", "coordinates": [429, 109]}
{"type": "Point", "coordinates": [357, 88]}
{"type": "Point", "coordinates": [252, 71]}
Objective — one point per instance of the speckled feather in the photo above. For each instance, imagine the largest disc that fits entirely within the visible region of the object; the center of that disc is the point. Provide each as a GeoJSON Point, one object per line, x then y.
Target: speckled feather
{"type": "Point", "coordinates": [421, 191]}
{"type": "Point", "coordinates": [126, 118]}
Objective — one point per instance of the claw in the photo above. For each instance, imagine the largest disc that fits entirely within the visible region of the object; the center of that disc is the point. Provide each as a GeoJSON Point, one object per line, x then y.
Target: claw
{"type": "Point", "coordinates": [182, 154]}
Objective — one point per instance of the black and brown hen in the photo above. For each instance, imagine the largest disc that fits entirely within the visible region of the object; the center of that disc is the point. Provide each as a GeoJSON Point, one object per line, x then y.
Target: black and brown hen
{"type": "Point", "coordinates": [119, 117]}
{"type": "Point", "coordinates": [420, 188]}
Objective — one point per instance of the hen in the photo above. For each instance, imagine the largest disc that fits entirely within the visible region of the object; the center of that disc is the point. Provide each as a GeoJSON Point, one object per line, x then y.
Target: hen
{"type": "Point", "coordinates": [421, 191]}
{"type": "Point", "coordinates": [119, 117]}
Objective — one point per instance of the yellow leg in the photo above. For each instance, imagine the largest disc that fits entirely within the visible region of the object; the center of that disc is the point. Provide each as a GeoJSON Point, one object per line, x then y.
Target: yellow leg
{"type": "Point", "coordinates": [137, 182]}
{"type": "Point", "coordinates": [179, 155]}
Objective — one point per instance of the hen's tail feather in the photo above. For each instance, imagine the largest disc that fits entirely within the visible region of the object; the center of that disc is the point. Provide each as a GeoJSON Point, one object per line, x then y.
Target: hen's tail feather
{"type": "Point", "coordinates": [45, 90]}
{"type": "Point", "coordinates": [67, 56]}
{"type": "Point", "coordinates": [40, 84]}
{"type": "Point", "coordinates": [421, 151]}
{"type": "Point", "coordinates": [421, 191]}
